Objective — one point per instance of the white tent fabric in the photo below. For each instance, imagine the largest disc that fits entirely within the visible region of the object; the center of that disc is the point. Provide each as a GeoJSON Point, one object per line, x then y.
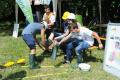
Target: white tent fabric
{"type": "Point", "coordinates": [47, 2]}
{"type": "Point", "coordinates": [55, 6]}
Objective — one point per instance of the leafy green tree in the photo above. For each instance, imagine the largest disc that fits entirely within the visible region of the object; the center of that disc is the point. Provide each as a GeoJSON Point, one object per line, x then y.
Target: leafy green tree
{"type": "Point", "coordinates": [6, 8]}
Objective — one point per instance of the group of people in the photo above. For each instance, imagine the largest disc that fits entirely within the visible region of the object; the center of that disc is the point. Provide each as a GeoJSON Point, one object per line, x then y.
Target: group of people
{"type": "Point", "coordinates": [74, 36]}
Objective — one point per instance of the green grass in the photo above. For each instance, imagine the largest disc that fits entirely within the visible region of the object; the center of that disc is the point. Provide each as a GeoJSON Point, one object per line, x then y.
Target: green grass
{"type": "Point", "coordinates": [12, 49]}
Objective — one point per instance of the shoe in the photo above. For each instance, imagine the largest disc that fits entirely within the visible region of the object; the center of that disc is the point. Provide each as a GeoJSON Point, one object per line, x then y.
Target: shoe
{"type": "Point", "coordinates": [32, 62]}
{"type": "Point", "coordinates": [66, 62]}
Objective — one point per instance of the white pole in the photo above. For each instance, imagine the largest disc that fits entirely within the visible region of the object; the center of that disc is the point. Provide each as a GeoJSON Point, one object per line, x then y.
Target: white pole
{"type": "Point", "coordinates": [99, 2]}
{"type": "Point", "coordinates": [16, 25]}
{"type": "Point", "coordinates": [55, 3]}
{"type": "Point", "coordinates": [16, 13]}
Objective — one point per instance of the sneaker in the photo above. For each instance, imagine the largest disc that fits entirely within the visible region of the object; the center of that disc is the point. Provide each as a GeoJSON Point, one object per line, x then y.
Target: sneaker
{"type": "Point", "coordinates": [66, 62]}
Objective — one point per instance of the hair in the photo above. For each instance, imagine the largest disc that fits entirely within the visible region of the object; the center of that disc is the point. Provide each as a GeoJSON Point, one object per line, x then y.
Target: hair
{"type": "Point", "coordinates": [73, 25]}
{"type": "Point", "coordinates": [46, 6]}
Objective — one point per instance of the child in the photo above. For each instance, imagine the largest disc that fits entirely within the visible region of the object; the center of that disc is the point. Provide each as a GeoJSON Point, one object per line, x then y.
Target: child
{"type": "Point", "coordinates": [84, 39]}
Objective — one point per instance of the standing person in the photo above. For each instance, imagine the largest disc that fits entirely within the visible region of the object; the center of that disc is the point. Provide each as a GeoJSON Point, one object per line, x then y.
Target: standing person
{"type": "Point", "coordinates": [29, 36]}
{"type": "Point", "coordinates": [84, 39]}
{"type": "Point", "coordinates": [49, 17]}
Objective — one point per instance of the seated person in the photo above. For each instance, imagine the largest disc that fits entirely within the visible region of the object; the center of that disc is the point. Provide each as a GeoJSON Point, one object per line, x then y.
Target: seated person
{"type": "Point", "coordinates": [49, 18]}
{"type": "Point", "coordinates": [84, 39]}
{"type": "Point", "coordinates": [56, 37]}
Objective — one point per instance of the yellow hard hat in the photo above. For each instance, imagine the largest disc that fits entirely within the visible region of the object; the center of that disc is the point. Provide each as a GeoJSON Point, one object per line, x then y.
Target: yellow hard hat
{"type": "Point", "coordinates": [65, 15]}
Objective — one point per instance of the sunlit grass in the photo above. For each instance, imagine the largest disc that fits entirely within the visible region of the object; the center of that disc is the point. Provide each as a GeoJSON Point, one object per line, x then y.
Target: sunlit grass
{"type": "Point", "coordinates": [11, 49]}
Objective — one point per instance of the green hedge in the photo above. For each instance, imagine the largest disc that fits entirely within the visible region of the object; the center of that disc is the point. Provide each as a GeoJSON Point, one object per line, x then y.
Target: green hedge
{"type": "Point", "coordinates": [6, 8]}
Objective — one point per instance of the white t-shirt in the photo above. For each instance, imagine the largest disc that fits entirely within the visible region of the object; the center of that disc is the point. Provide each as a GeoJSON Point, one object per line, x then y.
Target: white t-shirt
{"type": "Point", "coordinates": [84, 34]}
{"type": "Point", "coordinates": [76, 35]}
{"type": "Point", "coordinates": [51, 18]}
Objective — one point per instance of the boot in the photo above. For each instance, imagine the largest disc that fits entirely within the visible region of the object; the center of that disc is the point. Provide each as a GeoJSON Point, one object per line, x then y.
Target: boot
{"type": "Point", "coordinates": [32, 62]}
{"type": "Point", "coordinates": [79, 59]}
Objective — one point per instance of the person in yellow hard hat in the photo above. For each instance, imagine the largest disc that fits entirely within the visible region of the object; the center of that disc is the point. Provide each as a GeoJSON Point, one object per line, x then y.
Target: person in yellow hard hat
{"type": "Point", "coordinates": [65, 15]}
{"type": "Point", "coordinates": [57, 37]}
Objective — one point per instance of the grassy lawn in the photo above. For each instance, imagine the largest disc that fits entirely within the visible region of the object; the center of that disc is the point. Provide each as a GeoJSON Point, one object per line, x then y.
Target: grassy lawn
{"type": "Point", "coordinates": [12, 49]}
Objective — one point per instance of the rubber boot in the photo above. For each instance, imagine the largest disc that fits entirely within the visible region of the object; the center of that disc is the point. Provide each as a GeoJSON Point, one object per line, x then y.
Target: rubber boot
{"type": "Point", "coordinates": [32, 62]}
{"type": "Point", "coordinates": [79, 58]}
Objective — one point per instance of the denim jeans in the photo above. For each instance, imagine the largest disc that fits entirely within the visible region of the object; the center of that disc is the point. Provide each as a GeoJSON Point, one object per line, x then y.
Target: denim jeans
{"type": "Point", "coordinates": [29, 40]}
{"type": "Point", "coordinates": [79, 45]}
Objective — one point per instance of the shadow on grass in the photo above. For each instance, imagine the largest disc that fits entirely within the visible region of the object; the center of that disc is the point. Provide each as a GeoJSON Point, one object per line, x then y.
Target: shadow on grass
{"type": "Point", "coordinates": [0, 76]}
{"type": "Point", "coordinates": [45, 54]}
{"type": "Point", "coordinates": [59, 64]}
{"type": "Point", "coordinates": [2, 67]}
{"type": "Point", "coordinates": [91, 58]}
{"type": "Point", "coordinates": [16, 76]}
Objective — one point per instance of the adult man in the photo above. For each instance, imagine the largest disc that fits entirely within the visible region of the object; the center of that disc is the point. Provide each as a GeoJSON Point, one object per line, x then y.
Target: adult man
{"type": "Point", "coordinates": [29, 36]}
{"type": "Point", "coordinates": [84, 39]}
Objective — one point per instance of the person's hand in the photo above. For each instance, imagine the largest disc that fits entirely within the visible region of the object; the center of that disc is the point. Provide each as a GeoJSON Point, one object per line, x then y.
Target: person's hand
{"type": "Point", "coordinates": [100, 45]}
{"type": "Point", "coordinates": [43, 43]}
{"type": "Point", "coordinates": [56, 42]}
{"type": "Point", "coordinates": [55, 39]}
{"type": "Point", "coordinates": [53, 44]}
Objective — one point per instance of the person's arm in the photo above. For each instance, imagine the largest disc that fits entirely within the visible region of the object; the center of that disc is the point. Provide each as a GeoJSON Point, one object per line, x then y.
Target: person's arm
{"type": "Point", "coordinates": [43, 36]}
{"type": "Point", "coordinates": [36, 41]}
{"type": "Point", "coordinates": [43, 17]}
{"type": "Point", "coordinates": [65, 38]}
{"type": "Point", "coordinates": [52, 21]}
{"type": "Point", "coordinates": [51, 24]}
{"type": "Point", "coordinates": [98, 39]}
{"type": "Point", "coordinates": [62, 36]}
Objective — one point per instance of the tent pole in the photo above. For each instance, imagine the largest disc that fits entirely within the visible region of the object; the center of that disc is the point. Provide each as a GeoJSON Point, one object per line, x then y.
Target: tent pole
{"type": "Point", "coordinates": [59, 7]}
{"type": "Point", "coordinates": [99, 2]}
{"type": "Point", "coordinates": [16, 13]}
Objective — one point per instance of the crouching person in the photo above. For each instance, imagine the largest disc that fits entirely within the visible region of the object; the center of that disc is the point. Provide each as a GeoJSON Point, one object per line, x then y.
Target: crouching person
{"type": "Point", "coordinates": [29, 36]}
{"type": "Point", "coordinates": [84, 39]}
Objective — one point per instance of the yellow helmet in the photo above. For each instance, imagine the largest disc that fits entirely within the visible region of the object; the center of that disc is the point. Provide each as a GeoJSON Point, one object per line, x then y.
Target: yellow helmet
{"type": "Point", "coordinates": [65, 15]}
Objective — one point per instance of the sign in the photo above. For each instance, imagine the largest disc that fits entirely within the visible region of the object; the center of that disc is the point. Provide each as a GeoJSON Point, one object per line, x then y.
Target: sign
{"type": "Point", "coordinates": [15, 30]}
{"type": "Point", "coordinates": [112, 49]}
{"type": "Point", "coordinates": [26, 8]}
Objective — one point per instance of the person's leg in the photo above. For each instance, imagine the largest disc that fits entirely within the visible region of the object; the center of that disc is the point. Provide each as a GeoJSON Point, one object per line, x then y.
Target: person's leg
{"type": "Point", "coordinates": [29, 39]}
{"type": "Point", "coordinates": [81, 46]}
{"type": "Point", "coordinates": [51, 39]}
{"type": "Point", "coordinates": [51, 36]}
{"type": "Point", "coordinates": [48, 41]}
{"type": "Point", "coordinates": [63, 48]}
{"type": "Point", "coordinates": [69, 48]}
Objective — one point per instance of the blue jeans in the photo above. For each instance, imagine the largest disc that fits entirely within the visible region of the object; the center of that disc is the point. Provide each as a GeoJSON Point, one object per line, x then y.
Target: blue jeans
{"type": "Point", "coordinates": [79, 46]}
{"type": "Point", "coordinates": [29, 40]}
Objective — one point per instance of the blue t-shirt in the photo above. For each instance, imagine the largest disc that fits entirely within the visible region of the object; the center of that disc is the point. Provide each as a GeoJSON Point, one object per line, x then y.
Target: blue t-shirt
{"type": "Point", "coordinates": [65, 26]}
{"type": "Point", "coordinates": [32, 28]}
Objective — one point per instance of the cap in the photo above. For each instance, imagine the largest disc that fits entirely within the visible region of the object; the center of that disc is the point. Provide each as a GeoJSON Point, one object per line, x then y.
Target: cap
{"type": "Point", "coordinates": [71, 16]}
{"type": "Point", "coordinates": [65, 15]}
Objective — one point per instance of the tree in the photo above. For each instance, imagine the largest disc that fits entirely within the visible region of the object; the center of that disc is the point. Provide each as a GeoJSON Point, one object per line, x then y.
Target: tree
{"type": "Point", "coordinates": [6, 8]}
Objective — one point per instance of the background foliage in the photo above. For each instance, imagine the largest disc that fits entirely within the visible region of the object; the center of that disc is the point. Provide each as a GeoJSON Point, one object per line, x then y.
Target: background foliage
{"type": "Point", "coordinates": [6, 8]}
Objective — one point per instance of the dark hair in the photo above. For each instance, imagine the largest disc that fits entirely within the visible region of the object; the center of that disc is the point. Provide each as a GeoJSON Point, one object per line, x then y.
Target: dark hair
{"type": "Point", "coordinates": [73, 25]}
{"type": "Point", "coordinates": [46, 6]}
